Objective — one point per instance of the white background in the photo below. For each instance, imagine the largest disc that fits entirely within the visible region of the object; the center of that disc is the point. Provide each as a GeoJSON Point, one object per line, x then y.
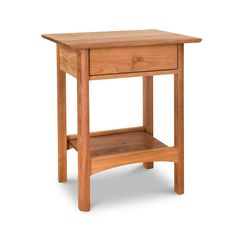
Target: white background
{"type": "Point", "coordinates": [127, 200]}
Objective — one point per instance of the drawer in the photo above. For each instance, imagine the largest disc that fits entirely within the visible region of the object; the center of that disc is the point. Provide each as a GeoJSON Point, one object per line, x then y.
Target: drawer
{"type": "Point", "coordinates": [132, 59]}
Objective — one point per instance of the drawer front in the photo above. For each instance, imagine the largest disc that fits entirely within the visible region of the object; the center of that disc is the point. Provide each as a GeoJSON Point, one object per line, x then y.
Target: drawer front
{"type": "Point", "coordinates": [132, 59]}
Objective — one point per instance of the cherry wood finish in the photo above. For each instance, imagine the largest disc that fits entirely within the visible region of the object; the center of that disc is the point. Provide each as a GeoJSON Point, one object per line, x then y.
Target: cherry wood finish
{"type": "Point", "coordinates": [148, 110]}
{"type": "Point", "coordinates": [129, 141]}
{"type": "Point", "coordinates": [111, 150]}
{"type": "Point", "coordinates": [84, 163]}
{"type": "Point", "coordinates": [106, 55]}
{"type": "Point", "coordinates": [61, 114]}
{"type": "Point", "coordinates": [110, 161]}
{"type": "Point", "coordinates": [133, 74]}
{"type": "Point", "coordinates": [68, 60]}
{"type": "Point", "coordinates": [119, 39]}
{"type": "Point", "coordinates": [179, 121]}
{"type": "Point", "coordinates": [104, 132]}
{"type": "Point", "coordinates": [105, 61]}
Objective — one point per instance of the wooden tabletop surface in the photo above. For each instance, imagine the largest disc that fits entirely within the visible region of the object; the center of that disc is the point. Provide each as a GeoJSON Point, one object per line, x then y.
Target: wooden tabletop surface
{"type": "Point", "coordinates": [119, 38]}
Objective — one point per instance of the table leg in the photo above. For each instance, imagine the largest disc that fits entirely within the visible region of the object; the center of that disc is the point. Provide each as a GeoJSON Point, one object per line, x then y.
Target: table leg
{"type": "Point", "coordinates": [61, 111]}
{"type": "Point", "coordinates": [84, 164]}
{"type": "Point", "coordinates": [179, 121]}
{"type": "Point", "coordinates": [148, 110]}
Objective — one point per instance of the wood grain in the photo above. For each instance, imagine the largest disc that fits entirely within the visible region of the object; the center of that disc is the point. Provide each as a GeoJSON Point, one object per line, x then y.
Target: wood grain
{"type": "Point", "coordinates": [102, 163]}
{"type": "Point", "coordinates": [119, 38]}
{"type": "Point", "coordinates": [120, 143]}
{"type": "Point", "coordinates": [132, 59]}
{"type": "Point", "coordinates": [61, 116]}
{"type": "Point", "coordinates": [148, 110]}
{"type": "Point", "coordinates": [108, 151]}
{"type": "Point", "coordinates": [84, 164]}
{"type": "Point", "coordinates": [119, 54]}
{"type": "Point", "coordinates": [133, 74]}
{"type": "Point", "coordinates": [179, 121]}
{"type": "Point", "coordinates": [68, 60]}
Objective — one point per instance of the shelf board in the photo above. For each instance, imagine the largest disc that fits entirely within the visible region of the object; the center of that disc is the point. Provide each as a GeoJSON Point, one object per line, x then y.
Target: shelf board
{"type": "Point", "coordinates": [115, 144]}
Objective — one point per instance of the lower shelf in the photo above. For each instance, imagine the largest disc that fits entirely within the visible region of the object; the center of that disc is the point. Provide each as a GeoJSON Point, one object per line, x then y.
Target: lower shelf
{"type": "Point", "coordinates": [117, 149]}
{"type": "Point", "coordinates": [120, 143]}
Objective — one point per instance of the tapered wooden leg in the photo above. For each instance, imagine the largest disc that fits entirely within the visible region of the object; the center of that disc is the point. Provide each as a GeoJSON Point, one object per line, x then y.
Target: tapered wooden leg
{"type": "Point", "coordinates": [148, 110]}
{"type": "Point", "coordinates": [179, 121]}
{"type": "Point", "coordinates": [84, 164]}
{"type": "Point", "coordinates": [61, 110]}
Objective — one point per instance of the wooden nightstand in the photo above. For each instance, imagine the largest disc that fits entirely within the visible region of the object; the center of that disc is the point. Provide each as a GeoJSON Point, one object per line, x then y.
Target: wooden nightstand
{"type": "Point", "coordinates": [105, 55]}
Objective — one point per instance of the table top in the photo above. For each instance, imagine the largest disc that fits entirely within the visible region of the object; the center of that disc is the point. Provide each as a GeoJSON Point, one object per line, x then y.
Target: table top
{"type": "Point", "coordinates": [119, 38]}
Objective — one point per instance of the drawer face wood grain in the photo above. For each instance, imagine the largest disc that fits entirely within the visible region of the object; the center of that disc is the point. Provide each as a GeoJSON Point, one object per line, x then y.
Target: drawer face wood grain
{"type": "Point", "coordinates": [132, 59]}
